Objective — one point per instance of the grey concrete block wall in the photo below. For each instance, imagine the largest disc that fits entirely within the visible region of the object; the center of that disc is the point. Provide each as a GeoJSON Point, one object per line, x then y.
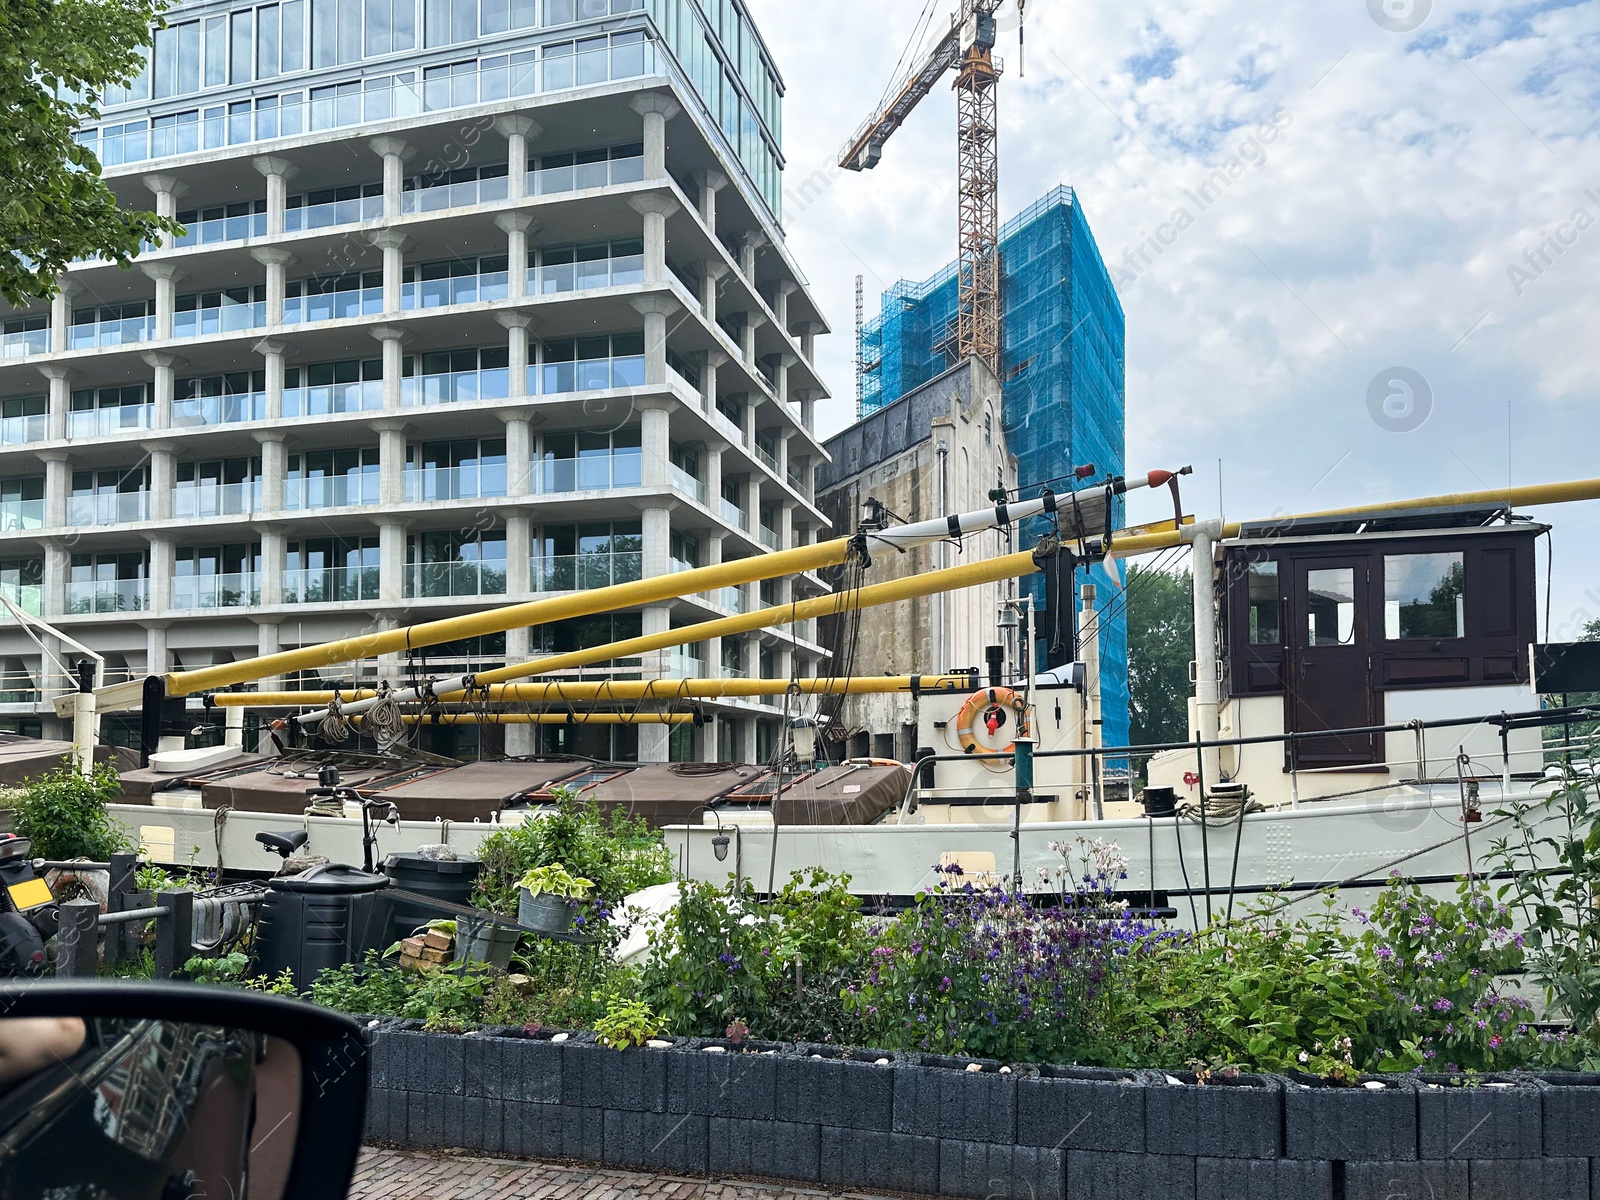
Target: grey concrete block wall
{"type": "Point", "coordinates": [928, 1126]}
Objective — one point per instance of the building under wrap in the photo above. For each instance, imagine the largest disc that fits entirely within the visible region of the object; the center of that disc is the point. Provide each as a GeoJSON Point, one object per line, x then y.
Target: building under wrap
{"type": "Point", "coordinates": [1061, 361]}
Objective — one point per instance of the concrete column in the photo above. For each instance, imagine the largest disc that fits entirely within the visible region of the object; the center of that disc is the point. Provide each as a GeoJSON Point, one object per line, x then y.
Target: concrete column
{"type": "Point", "coordinates": [278, 172]}
{"type": "Point", "coordinates": [786, 534]}
{"type": "Point", "coordinates": [747, 337]}
{"type": "Point", "coordinates": [163, 480]}
{"type": "Point", "coordinates": [274, 469]}
{"type": "Point", "coordinates": [166, 276]}
{"type": "Point", "coordinates": [516, 226]}
{"type": "Point", "coordinates": [272, 352]}
{"type": "Point", "coordinates": [391, 562]}
{"type": "Point", "coordinates": [750, 241]}
{"type": "Point", "coordinates": [655, 441]}
{"type": "Point", "coordinates": [394, 341]}
{"type": "Point", "coordinates": [657, 109]}
{"type": "Point", "coordinates": [655, 310]}
{"type": "Point", "coordinates": [749, 430]}
{"type": "Point", "coordinates": [166, 367]}
{"type": "Point", "coordinates": [57, 487]}
{"type": "Point", "coordinates": [653, 738]}
{"type": "Point", "coordinates": [808, 409]}
{"type": "Point", "coordinates": [267, 642]}
{"type": "Point", "coordinates": [785, 361]}
{"type": "Point", "coordinates": [54, 601]}
{"type": "Point", "coordinates": [518, 132]}
{"type": "Point", "coordinates": [156, 661]}
{"type": "Point", "coordinates": [168, 189]}
{"type": "Point", "coordinates": [655, 209]}
{"type": "Point", "coordinates": [161, 556]}
{"type": "Point", "coordinates": [656, 530]}
{"type": "Point", "coordinates": [273, 554]}
{"type": "Point", "coordinates": [276, 260]}
{"type": "Point", "coordinates": [519, 549]}
{"type": "Point", "coordinates": [395, 152]}
{"type": "Point", "coordinates": [709, 183]}
{"type": "Point", "coordinates": [780, 304]}
{"type": "Point", "coordinates": [519, 455]}
{"type": "Point", "coordinates": [715, 359]}
{"type": "Point", "coordinates": [519, 350]}
{"type": "Point", "coordinates": [808, 340]}
{"type": "Point", "coordinates": [61, 380]}
{"type": "Point", "coordinates": [712, 273]}
{"type": "Point", "coordinates": [394, 245]}
{"type": "Point", "coordinates": [391, 461]}
{"type": "Point", "coordinates": [713, 458]}
{"type": "Point", "coordinates": [61, 315]}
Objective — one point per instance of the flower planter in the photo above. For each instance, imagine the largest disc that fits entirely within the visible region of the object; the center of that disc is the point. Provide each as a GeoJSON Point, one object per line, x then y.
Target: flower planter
{"type": "Point", "coordinates": [1374, 1119]}
{"type": "Point", "coordinates": [1492, 1116]}
{"type": "Point", "coordinates": [544, 913]}
{"type": "Point", "coordinates": [1238, 1117]}
{"type": "Point", "coordinates": [490, 944]}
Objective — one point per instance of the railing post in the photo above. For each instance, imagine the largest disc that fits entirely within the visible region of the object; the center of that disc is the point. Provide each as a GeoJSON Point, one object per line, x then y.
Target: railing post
{"type": "Point", "coordinates": [77, 939]}
{"type": "Point", "coordinates": [122, 869]}
{"type": "Point", "coordinates": [174, 933]}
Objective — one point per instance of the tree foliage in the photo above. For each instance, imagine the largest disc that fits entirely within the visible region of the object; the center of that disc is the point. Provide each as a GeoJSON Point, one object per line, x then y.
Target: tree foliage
{"type": "Point", "coordinates": [1160, 648]}
{"type": "Point", "coordinates": [56, 57]}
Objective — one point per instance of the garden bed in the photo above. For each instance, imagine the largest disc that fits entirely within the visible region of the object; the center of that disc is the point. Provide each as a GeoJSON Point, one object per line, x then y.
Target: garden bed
{"type": "Point", "coordinates": [961, 1127]}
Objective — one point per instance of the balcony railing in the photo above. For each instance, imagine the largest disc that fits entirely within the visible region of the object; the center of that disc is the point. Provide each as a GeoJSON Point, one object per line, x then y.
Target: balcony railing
{"type": "Point", "coordinates": [730, 598]}
{"type": "Point", "coordinates": [222, 229]}
{"type": "Point", "coordinates": [687, 483]}
{"type": "Point", "coordinates": [107, 595]}
{"type": "Point", "coordinates": [220, 410]}
{"type": "Point", "coordinates": [551, 278]}
{"type": "Point", "coordinates": [429, 580]}
{"type": "Point", "coordinates": [456, 387]}
{"type": "Point", "coordinates": [19, 431]}
{"type": "Point", "coordinates": [457, 289]}
{"type": "Point", "coordinates": [112, 333]}
{"type": "Point", "coordinates": [549, 180]}
{"type": "Point", "coordinates": [588, 374]}
{"type": "Point", "coordinates": [426, 484]}
{"type": "Point", "coordinates": [334, 212]}
{"type": "Point", "coordinates": [679, 665]}
{"type": "Point", "coordinates": [734, 515]}
{"type": "Point", "coordinates": [21, 514]}
{"type": "Point", "coordinates": [331, 491]}
{"type": "Point", "coordinates": [583, 572]}
{"type": "Point", "coordinates": [29, 597]}
{"type": "Point", "coordinates": [24, 342]}
{"type": "Point", "coordinates": [225, 318]}
{"type": "Point", "coordinates": [215, 591]}
{"type": "Point", "coordinates": [769, 538]}
{"type": "Point", "coordinates": [192, 501]}
{"type": "Point", "coordinates": [318, 400]}
{"type": "Point", "coordinates": [333, 306]}
{"type": "Point", "coordinates": [109, 422]}
{"type": "Point", "coordinates": [768, 457]}
{"type": "Point", "coordinates": [329, 585]}
{"type": "Point", "coordinates": [455, 195]}
{"type": "Point", "coordinates": [108, 508]}
{"type": "Point", "coordinates": [592, 472]}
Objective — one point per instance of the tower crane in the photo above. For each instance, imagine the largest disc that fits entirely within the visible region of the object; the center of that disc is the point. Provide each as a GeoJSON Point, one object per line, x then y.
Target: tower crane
{"type": "Point", "coordinates": [967, 47]}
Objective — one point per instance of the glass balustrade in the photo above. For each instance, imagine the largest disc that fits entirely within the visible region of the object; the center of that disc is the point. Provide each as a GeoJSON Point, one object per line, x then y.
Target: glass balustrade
{"type": "Point", "coordinates": [583, 572]}
{"type": "Point", "coordinates": [19, 431]}
{"type": "Point", "coordinates": [24, 342]}
{"type": "Point", "coordinates": [768, 457]}
{"type": "Point", "coordinates": [576, 176]}
{"type": "Point", "coordinates": [769, 537]}
{"type": "Point", "coordinates": [333, 306]}
{"type": "Point", "coordinates": [108, 422]}
{"type": "Point", "coordinates": [107, 595]}
{"type": "Point", "coordinates": [220, 410]}
{"type": "Point", "coordinates": [730, 598]}
{"type": "Point", "coordinates": [222, 229]}
{"type": "Point", "coordinates": [192, 501]}
{"type": "Point", "coordinates": [426, 484]}
{"type": "Point", "coordinates": [462, 194]}
{"type": "Point", "coordinates": [333, 212]}
{"type": "Point", "coordinates": [681, 665]}
{"type": "Point", "coordinates": [456, 387]}
{"type": "Point", "coordinates": [318, 400]}
{"type": "Point", "coordinates": [592, 472]}
{"type": "Point", "coordinates": [121, 332]}
{"type": "Point", "coordinates": [687, 483]}
{"type": "Point", "coordinates": [108, 508]}
{"type": "Point", "coordinates": [430, 580]}
{"type": "Point", "coordinates": [588, 374]}
{"type": "Point", "coordinates": [734, 515]}
{"type": "Point", "coordinates": [616, 271]}
{"type": "Point", "coordinates": [226, 318]}
{"type": "Point", "coordinates": [329, 585]}
{"type": "Point", "coordinates": [21, 514]}
{"type": "Point", "coordinates": [29, 597]}
{"type": "Point", "coordinates": [458, 289]}
{"type": "Point", "coordinates": [215, 591]}
{"type": "Point", "coordinates": [336, 491]}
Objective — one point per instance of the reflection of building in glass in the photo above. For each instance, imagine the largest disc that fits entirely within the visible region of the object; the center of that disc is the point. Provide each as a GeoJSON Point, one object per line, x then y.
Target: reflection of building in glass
{"type": "Point", "coordinates": [145, 1099]}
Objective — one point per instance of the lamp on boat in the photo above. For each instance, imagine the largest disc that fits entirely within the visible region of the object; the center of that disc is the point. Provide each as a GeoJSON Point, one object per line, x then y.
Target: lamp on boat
{"type": "Point", "coordinates": [1008, 617]}
{"type": "Point", "coordinates": [803, 736]}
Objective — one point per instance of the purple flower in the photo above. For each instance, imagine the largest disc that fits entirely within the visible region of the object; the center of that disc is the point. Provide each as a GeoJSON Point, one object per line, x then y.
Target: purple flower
{"type": "Point", "coordinates": [1442, 1005]}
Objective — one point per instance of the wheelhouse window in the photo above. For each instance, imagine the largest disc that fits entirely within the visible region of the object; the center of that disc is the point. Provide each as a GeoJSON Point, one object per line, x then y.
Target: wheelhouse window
{"type": "Point", "coordinates": [1263, 588]}
{"type": "Point", "coordinates": [1331, 607]}
{"type": "Point", "coordinates": [1423, 596]}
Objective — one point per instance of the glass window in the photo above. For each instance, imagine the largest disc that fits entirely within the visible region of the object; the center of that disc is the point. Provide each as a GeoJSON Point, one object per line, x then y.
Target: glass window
{"type": "Point", "coordinates": [216, 73]}
{"type": "Point", "coordinates": [177, 60]}
{"type": "Point", "coordinates": [242, 48]}
{"type": "Point", "coordinates": [1422, 596]}
{"type": "Point", "coordinates": [1331, 607]}
{"type": "Point", "coordinates": [1263, 581]}
{"type": "Point", "coordinates": [267, 41]}
{"type": "Point", "coordinates": [293, 36]}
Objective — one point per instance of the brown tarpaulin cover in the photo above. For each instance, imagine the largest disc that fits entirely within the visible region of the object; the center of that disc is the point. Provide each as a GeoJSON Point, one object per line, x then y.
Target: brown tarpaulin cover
{"type": "Point", "coordinates": [23, 759]}
{"type": "Point", "coordinates": [477, 790]}
{"type": "Point", "coordinates": [141, 783]}
{"type": "Point", "coordinates": [280, 786]}
{"type": "Point", "coordinates": [843, 795]}
{"type": "Point", "coordinates": [669, 794]}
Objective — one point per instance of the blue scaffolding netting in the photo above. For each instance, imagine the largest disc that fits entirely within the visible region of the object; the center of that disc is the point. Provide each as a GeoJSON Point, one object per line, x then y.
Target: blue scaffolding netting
{"type": "Point", "coordinates": [1061, 366]}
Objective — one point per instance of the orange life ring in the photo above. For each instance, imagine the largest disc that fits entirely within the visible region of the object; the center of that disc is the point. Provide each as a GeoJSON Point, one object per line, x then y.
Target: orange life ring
{"type": "Point", "coordinates": [990, 704]}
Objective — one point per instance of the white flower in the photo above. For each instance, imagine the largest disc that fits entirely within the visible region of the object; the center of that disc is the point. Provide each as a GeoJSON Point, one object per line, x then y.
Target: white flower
{"type": "Point", "coordinates": [1304, 1057]}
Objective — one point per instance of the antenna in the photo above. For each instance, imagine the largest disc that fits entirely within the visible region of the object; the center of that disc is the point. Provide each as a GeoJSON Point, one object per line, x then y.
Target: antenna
{"type": "Point", "coordinates": [859, 357]}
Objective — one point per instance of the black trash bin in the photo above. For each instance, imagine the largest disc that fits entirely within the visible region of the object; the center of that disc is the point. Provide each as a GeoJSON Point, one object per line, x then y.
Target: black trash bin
{"type": "Point", "coordinates": [449, 880]}
{"type": "Point", "coordinates": [323, 917]}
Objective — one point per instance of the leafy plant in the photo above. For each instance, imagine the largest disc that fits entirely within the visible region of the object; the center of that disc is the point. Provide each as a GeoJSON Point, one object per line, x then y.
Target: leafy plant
{"type": "Point", "coordinates": [281, 984]}
{"type": "Point", "coordinates": [228, 968]}
{"type": "Point", "coordinates": [626, 1023]}
{"type": "Point", "coordinates": [65, 815]}
{"type": "Point", "coordinates": [554, 880]}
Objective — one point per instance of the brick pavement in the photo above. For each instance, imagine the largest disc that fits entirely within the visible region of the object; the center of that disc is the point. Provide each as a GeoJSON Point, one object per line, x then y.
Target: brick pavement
{"type": "Point", "coordinates": [412, 1175]}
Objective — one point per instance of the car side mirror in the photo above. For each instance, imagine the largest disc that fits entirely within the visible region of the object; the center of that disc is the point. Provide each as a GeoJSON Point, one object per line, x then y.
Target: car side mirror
{"type": "Point", "coordinates": [141, 1090]}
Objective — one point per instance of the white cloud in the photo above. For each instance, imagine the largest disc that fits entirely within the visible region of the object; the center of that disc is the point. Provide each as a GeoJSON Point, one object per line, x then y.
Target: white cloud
{"type": "Point", "coordinates": [1417, 168]}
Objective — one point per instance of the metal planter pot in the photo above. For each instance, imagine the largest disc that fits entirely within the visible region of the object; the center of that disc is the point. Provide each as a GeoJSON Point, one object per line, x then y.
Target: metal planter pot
{"type": "Point", "coordinates": [544, 913]}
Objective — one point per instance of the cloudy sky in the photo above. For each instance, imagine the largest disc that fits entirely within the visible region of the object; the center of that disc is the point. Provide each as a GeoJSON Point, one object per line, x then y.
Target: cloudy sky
{"type": "Point", "coordinates": [1429, 212]}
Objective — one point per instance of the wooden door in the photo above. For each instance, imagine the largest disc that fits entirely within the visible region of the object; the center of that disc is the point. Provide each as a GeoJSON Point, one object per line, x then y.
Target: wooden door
{"type": "Point", "coordinates": [1329, 682]}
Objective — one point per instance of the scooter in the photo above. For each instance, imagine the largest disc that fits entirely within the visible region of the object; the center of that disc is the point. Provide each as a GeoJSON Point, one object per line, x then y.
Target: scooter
{"type": "Point", "coordinates": [29, 913]}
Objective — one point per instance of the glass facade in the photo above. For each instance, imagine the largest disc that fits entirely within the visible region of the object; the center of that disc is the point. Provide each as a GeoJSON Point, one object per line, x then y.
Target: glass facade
{"type": "Point", "coordinates": [1061, 360]}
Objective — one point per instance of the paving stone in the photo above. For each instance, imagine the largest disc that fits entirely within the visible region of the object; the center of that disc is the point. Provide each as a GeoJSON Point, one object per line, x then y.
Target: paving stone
{"type": "Point", "coordinates": [1425, 1180]}
{"type": "Point", "coordinates": [841, 1092]}
{"type": "Point", "coordinates": [771, 1149]}
{"type": "Point", "coordinates": [1350, 1122]}
{"type": "Point", "coordinates": [661, 1141]}
{"type": "Point", "coordinates": [1480, 1122]}
{"type": "Point", "coordinates": [1082, 1110]}
{"type": "Point", "coordinates": [1095, 1175]}
{"type": "Point", "coordinates": [980, 1171]}
{"type": "Point", "coordinates": [1520, 1179]}
{"type": "Point", "coordinates": [1262, 1179]}
{"type": "Point", "coordinates": [871, 1158]}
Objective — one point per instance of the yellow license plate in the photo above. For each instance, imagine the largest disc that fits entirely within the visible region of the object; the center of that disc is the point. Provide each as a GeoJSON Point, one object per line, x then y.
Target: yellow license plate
{"type": "Point", "coordinates": [30, 894]}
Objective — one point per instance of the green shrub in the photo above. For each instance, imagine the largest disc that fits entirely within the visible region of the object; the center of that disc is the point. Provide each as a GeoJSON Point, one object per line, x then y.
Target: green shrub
{"type": "Point", "coordinates": [65, 815]}
{"type": "Point", "coordinates": [626, 1023]}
